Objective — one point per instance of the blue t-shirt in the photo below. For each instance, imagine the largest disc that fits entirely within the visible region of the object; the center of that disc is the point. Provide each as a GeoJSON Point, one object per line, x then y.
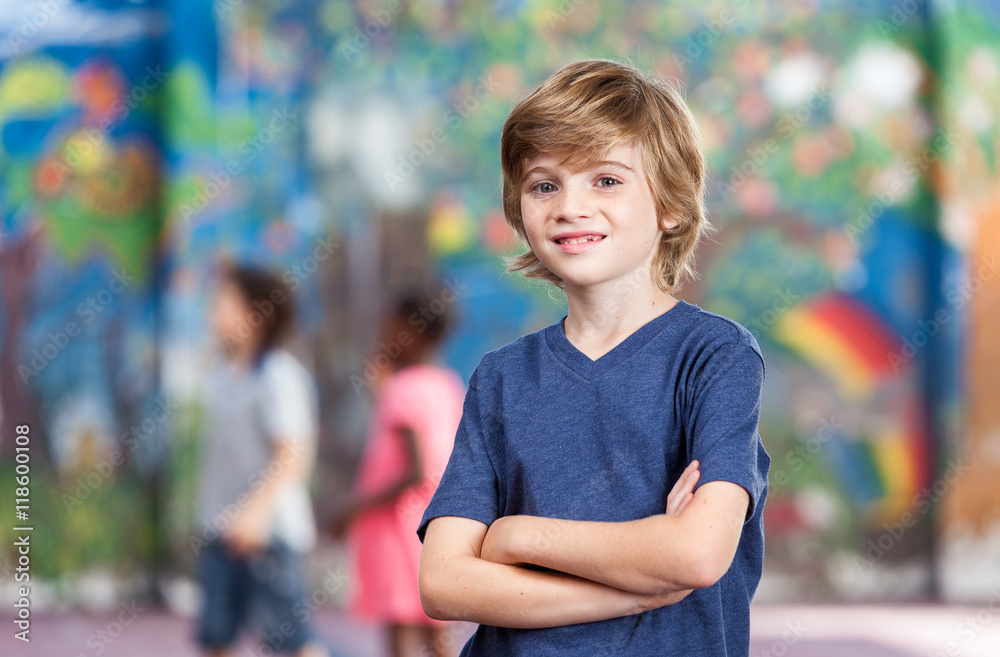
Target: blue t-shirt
{"type": "Point", "coordinates": [546, 431]}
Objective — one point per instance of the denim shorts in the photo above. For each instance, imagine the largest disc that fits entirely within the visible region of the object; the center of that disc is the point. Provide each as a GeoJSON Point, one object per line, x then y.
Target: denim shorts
{"type": "Point", "coordinates": [262, 591]}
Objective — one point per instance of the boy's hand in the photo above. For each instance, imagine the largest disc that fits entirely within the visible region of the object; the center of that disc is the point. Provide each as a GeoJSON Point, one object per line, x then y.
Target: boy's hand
{"type": "Point", "coordinates": [498, 545]}
{"type": "Point", "coordinates": [683, 491]}
{"type": "Point", "coordinates": [677, 500]}
{"type": "Point", "coordinates": [249, 533]}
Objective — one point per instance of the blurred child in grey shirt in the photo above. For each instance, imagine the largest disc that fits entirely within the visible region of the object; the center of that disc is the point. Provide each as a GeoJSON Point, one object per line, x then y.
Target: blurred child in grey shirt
{"type": "Point", "coordinates": [255, 516]}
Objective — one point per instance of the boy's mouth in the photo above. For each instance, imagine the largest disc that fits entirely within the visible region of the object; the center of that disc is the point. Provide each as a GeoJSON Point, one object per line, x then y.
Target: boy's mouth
{"type": "Point", "coordinates": [578, 242]}
{"type": "Point", "coordinates": [577, 237]}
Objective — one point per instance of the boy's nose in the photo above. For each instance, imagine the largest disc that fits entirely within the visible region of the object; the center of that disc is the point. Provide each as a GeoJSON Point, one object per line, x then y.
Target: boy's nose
{"type": "Point", "coordinates": [574, 203]}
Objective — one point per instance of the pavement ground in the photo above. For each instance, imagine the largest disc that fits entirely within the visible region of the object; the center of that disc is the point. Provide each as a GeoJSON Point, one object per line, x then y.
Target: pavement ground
{"type": "Point", "coordinates": [777, 631]}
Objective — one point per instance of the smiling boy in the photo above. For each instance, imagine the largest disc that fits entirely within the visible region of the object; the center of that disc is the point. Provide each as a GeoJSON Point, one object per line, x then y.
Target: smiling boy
{"type": "Point", "coordinates": [605, 491]}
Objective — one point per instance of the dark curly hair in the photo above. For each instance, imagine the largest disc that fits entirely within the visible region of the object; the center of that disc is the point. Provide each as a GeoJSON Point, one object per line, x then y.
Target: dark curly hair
{"type": "Point", "coordinates": [419, 313]}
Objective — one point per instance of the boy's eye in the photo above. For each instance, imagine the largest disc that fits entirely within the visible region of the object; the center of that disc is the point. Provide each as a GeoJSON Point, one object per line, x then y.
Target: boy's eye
{"type": "Point", "coordinates": [544, 187]}
{"type": "Point", "coordinates": [608, 182]}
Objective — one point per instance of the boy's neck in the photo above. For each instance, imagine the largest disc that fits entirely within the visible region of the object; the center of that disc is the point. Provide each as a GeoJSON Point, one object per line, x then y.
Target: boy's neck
{"type": "Point", "coordinates": [600, 319]}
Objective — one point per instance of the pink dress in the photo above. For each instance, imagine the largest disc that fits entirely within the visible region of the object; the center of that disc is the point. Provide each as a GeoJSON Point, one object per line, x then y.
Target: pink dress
{"type": "Point", "coordinates": [383, 541]}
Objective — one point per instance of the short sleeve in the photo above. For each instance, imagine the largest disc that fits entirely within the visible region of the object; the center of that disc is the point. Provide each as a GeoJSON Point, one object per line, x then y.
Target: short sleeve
{"type": "Point", "coordinates": [469, 485]}
{"type": "Point", "coordinates": [289, 397]}
{"type": "Point", "coordinates": [722, 421]}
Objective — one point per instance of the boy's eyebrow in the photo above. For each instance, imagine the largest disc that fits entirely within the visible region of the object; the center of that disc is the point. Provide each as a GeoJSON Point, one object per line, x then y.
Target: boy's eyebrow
{"type": "Point", "coordinates": [596, 165]}
{"type": "Point", "coordinates": [614, 163]}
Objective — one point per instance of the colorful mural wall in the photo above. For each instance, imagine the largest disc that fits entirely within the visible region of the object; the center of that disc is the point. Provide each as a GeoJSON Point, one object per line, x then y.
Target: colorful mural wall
{"type": "Point", "coordinates": [969, 187]}
{"type": "Point", "coordinates": [353, 145]}
{"type": "Point", "coordinates": [81, 171]}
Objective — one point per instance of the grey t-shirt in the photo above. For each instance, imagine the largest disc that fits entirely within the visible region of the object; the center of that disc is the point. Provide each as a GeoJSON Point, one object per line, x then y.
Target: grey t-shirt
{"type": "Point", "coordinates": [247, 413]}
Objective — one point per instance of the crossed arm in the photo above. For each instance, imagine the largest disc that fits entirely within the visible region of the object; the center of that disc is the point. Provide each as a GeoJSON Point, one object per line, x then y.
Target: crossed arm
{"type": "Point", "coordinates": [603, 569]}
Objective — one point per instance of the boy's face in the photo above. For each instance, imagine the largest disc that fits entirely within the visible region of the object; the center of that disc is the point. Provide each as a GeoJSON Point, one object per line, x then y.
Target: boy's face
{"type": "Point", "coordinates": [228, 312]}
{"type": "Point", "coordinates": [611, 203]}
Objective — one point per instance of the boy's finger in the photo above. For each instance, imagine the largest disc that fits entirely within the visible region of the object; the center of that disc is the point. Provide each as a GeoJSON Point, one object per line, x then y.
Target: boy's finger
{"type": "Point", "coordinates": [687, 500]}
{"type": "Point", "coordinates": [685, 484]}
{"type": "Point", "coordinates": [692, 480]}
{"type": "Point", "coordinates": [687, 481]}
{"type": "Point", "coordinates": [684, 487]}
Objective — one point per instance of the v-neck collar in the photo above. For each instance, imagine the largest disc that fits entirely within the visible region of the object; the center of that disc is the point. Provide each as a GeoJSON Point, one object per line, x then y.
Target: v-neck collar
{"type": "Point", "coordinates": [581, 363]}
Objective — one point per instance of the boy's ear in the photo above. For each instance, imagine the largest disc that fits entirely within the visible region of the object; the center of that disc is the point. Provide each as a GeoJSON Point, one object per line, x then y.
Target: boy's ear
{"type": "Point", "coordinates": [668, 223]}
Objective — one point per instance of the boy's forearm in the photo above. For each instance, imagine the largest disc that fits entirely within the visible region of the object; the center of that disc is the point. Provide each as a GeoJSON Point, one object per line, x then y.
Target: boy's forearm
{"type": "Point", "coordinates": [657, 554]}
{"type": "Point", "coordinates": [479, 591]}
{"type": "Point", "coordinates": [647, 556]}
{"type": "Point", "coordinates": [291, 463]}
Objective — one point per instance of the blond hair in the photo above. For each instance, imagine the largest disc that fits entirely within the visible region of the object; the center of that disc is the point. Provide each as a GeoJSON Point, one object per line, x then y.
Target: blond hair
{"type": "Point", "coordinates": [583, 110]}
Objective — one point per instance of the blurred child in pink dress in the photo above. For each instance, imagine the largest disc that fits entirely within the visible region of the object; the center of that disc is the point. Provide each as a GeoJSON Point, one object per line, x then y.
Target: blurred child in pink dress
{"type": "Point", "coordinates": [418, 407]}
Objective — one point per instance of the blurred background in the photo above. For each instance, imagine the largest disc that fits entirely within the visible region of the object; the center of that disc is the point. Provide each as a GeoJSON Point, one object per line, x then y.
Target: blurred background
{"type": "Point", "coordinates": [353, 146]}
